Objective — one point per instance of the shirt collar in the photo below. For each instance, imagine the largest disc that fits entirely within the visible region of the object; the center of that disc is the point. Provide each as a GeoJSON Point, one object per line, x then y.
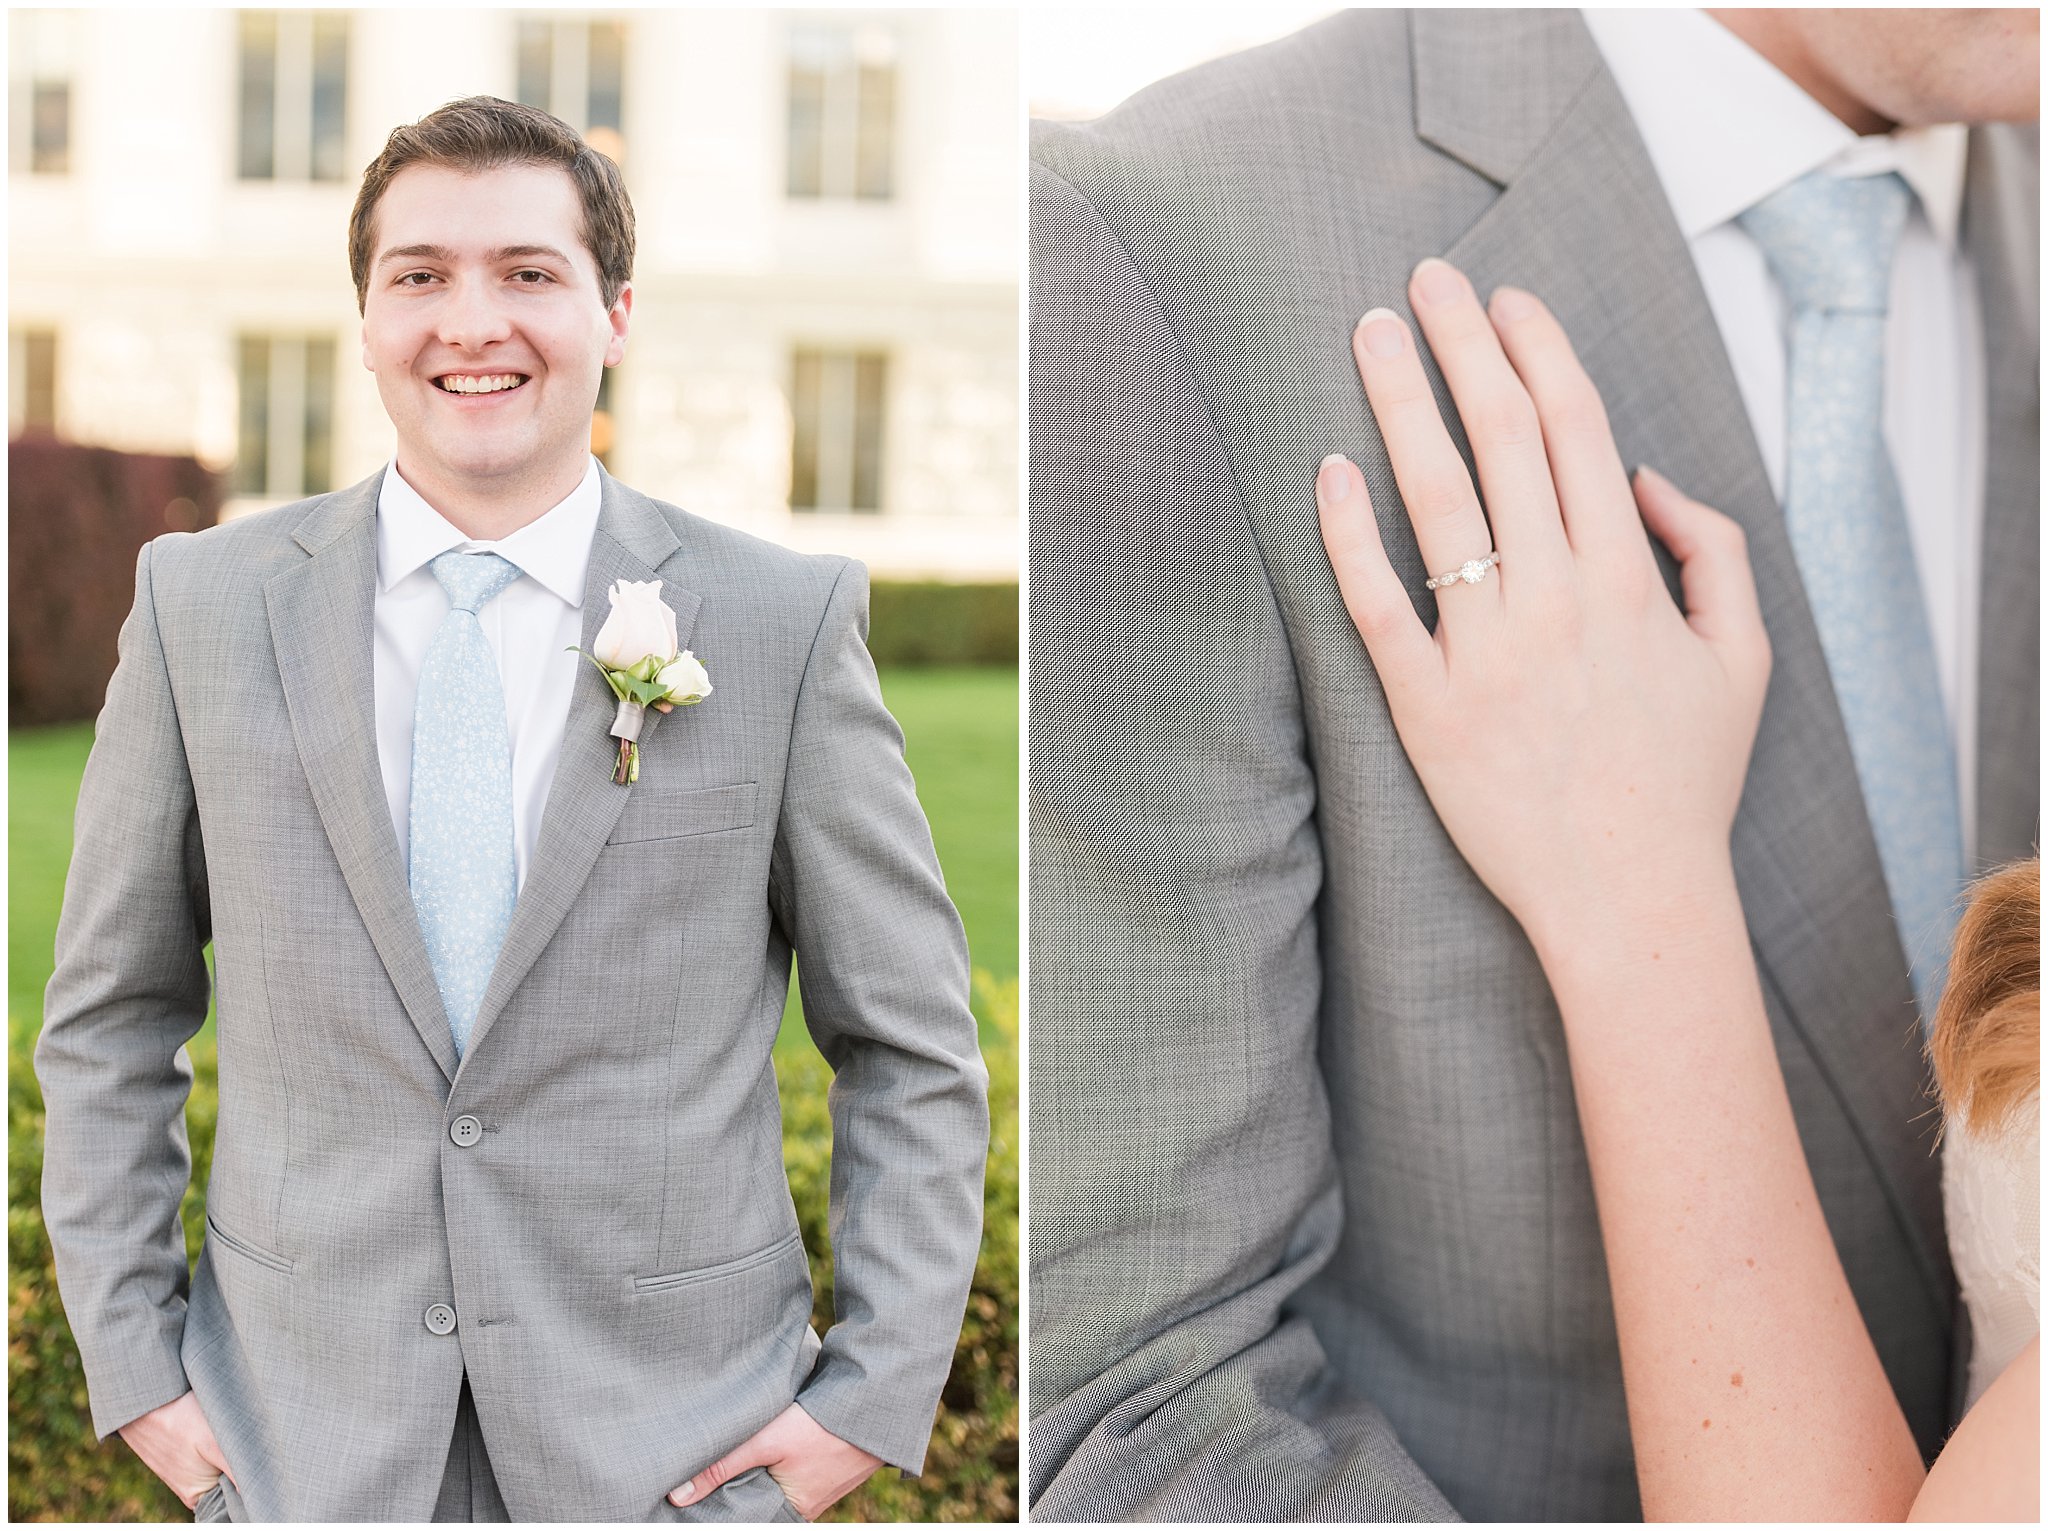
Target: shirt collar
{"type": "Point", "coordinates": [554, 549]}
{"type": "Point", "coordinates": [1725, 127]}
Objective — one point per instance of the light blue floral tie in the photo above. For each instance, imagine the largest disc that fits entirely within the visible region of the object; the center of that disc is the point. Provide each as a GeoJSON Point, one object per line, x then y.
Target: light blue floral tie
{"type": "Point", "coordinates": [1830, 242]}
{"type": "Point", "coordinates": [463, 878]}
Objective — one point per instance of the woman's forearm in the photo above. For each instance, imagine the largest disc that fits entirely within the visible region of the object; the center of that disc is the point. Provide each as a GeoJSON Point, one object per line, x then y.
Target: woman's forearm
{"type": "Point", "coordinates": [1584, 743]}
{"type": "Point", "coordinates": [1753, 1388]}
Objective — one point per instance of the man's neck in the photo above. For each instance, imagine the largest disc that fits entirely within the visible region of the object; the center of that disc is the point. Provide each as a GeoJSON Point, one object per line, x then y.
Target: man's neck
{"type": "Point", "coordinates": [489, 510]}
{"type": "Point", "coordinates": [1778, 38]}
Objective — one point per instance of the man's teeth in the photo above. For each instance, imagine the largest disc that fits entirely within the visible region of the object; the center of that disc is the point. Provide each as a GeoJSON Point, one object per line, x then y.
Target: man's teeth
{"type": "Point", "coordinates": [482, 384]}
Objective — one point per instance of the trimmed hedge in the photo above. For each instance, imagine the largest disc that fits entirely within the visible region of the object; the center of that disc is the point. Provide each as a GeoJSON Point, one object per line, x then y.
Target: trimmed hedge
{"type": "Point", "coordinates": [917, 623]}
{"type": "Point", "coordinates": [58, 1472]}
{"type": "Point", "coordinates": [76, 518]}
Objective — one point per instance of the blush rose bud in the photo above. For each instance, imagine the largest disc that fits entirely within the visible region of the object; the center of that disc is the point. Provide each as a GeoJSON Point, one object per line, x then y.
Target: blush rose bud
{"type": "Point", "coordinates": [638, 625]}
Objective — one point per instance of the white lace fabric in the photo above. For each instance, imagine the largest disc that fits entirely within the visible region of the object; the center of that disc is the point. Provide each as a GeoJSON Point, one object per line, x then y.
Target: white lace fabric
{"type": "Point", "coordinates": [1991, 1183]}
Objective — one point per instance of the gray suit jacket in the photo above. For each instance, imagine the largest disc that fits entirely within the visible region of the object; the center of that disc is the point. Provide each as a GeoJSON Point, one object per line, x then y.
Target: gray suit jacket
{"type": "Point", "coordinates": [617, 1242]}
{"type": "Point", "coordinates": [1312, 1232]}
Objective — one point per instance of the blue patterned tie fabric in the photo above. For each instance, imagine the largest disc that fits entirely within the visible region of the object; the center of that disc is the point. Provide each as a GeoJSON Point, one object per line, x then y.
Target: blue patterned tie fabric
{"type": "Point", "coordinates": [463, 876]}
{"type": "Point", "coordinates": [1830, 242]}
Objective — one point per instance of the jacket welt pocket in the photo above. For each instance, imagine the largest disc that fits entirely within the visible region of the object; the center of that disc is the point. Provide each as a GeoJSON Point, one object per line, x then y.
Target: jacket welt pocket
{"type": "Point", "coordinates": [244, 1248]}
{"type": "Point", "coordinates": [659, 814]}
{"type": "Point", "coordinates": [782, 1246]}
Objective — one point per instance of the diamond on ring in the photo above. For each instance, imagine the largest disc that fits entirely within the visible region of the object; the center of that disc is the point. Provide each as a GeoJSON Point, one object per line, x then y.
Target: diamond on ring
{"type": "Point", "coordinates": [1470, 572]}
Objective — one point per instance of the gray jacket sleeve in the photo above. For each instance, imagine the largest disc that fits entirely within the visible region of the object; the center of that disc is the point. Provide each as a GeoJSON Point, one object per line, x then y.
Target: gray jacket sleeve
{"type": "Point", "coordinates": [1183, 1185]}
{"type": "Point", "coordinates": [883, 963]}
{"type": "Point", "coordinates": [129, 989]}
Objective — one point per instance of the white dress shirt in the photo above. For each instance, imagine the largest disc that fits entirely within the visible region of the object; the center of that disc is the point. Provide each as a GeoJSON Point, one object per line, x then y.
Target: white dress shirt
{"type": "Point", "coordinates": [531, 626]}
{"type": "Point", "coordinates": [1725, 128]}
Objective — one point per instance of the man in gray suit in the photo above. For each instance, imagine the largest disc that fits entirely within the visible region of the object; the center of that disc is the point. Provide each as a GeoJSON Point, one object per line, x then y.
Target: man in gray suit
{"type": "Point", "coordinates": [1313, 1235]}
{"type": "Point", "coordinates": [498, 1226]}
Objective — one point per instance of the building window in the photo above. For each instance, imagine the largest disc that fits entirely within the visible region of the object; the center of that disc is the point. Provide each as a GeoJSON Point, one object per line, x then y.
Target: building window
{"type": "Point", "coordinates": [836, 401]}
{"type": "Point", "coordinates": [39, 93]}
{"type": "Point", "coordinates": [286, 445]}
{"type": "Point", "coordinates": [576, 69]}
{"type": "Point", "coordinates": [294, 71]}
{"type": "Point", "coordinates": [31, 381]}
{"type": "Point", "coordinates": [842, 113]}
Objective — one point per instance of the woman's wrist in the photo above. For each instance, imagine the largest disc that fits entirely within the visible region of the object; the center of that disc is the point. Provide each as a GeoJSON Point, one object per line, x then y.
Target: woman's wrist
{"type": "Point", "coordinates": [1650, 917]}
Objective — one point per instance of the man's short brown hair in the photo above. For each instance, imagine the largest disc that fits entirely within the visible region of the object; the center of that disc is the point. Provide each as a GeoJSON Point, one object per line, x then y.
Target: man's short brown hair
{"type": "Point", "coordinates": [482, 133]}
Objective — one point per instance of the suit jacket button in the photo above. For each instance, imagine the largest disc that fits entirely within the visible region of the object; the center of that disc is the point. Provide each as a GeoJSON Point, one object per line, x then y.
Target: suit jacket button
{"type": "Point", "coordinates": [441, 1318]}
{"type": "Point", "coordinates": [465, 1130]}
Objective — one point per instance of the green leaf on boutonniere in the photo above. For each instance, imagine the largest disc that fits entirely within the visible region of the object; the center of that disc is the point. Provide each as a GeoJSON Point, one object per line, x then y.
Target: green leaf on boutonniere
{"type": "Point", "coordinates": [613, 678]}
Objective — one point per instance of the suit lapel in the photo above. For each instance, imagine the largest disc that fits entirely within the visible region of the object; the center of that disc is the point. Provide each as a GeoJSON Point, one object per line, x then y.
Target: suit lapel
{"type": "Point", "coordinates": [633, 541]}
{"type": "Point", "coordinates": [1583, 222]}
{"type": "Point", "coordinates": [321, 615]}
{"type": "Point", "coordinates": [2001, 232]}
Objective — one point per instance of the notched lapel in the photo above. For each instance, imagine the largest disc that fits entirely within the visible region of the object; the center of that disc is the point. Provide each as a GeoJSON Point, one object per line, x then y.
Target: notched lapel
{"type": "Point", "coordinates": [1585, 225]}
{"type": "Point", "coordinates": [633, 542]}
{"type": "Point", "coordinates": [322, 627]}
{"type": "Point", "coordinates": [1489, 85]}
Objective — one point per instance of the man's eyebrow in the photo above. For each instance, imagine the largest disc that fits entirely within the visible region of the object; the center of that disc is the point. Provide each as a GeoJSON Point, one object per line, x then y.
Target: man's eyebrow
{"type": "Point", "coordinates": [502, 253]}
{"type": "Point", "coordinates": [521, 252]}
{"type": "Point", "coordinates": [416, 252]}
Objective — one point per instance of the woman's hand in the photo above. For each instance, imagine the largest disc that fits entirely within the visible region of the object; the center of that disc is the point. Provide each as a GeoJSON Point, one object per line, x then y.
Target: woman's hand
{"type": "Point", "coordinates": [1583, 740]}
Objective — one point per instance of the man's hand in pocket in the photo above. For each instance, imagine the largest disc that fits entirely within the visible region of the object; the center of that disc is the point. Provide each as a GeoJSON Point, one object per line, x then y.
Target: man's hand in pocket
{"type": "Point", "coordinates": [176, 1443]}
{"type": "Point", "coordinates": [813, 1467]}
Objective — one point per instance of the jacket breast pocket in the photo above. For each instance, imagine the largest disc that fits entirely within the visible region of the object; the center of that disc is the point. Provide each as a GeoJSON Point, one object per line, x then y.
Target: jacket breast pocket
{"type": "Point", "coordinates": [671, 813]}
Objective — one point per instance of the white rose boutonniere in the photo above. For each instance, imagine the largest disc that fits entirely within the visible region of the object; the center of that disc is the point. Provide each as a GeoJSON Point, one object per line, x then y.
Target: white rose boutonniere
{"type": "Point", "coordinates": [638, 656]}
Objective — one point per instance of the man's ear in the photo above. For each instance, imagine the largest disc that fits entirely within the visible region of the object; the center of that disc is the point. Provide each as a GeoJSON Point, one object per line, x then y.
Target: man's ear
{"type": "Point", "coordinates": [363, 334]}
{"type": "Point", "coordinates": [620, 318]}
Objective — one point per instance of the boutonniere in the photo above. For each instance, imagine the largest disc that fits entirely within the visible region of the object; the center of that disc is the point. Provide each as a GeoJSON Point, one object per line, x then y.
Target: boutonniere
{"type": "Point", "coordinates": [639, 659]}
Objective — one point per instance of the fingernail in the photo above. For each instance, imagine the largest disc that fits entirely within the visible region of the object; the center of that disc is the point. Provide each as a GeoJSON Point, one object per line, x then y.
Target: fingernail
{"type": "Point", "coordinates": [1511, 303]}
{"type": "Point", "coordinates": [1655, 479]}
{"type": "Point", "coordinates": [1384, 334]}
{"type": "Point", "coordinates": [1439, 281]}
{"type": "Point", "coordinates": [681, 1497]}
{"type": "Point", "coordinates": [1332, 482]}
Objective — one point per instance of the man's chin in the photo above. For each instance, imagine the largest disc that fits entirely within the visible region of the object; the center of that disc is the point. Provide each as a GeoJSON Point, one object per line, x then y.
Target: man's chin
{"type": "Point", "coordinates": [473, 464]}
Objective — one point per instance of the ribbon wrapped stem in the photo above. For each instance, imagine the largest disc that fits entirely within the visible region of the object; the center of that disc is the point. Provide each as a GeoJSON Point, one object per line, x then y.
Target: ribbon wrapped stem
{"type": "Point", "coordinates": [626, 729]}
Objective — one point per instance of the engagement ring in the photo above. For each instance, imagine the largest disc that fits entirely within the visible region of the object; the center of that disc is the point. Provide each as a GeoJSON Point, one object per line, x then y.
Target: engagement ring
{"type": "Point", "coordinates": [1472, 571]}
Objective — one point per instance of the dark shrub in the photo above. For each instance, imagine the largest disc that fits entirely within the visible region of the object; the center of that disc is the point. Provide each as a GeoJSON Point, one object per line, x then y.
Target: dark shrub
{"type": "Point", "coordinates": [931, 623]}
{"type": "Point", "coordinates": [76, 518]}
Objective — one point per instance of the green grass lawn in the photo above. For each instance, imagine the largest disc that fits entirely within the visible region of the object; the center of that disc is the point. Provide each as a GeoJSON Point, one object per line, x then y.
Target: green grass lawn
{"type": "Point", "coordinates": [960, 736]}
{"type": "Point", "coordinates": [960, 732]}
{"type": "Point", "coordinates": [43, 765]}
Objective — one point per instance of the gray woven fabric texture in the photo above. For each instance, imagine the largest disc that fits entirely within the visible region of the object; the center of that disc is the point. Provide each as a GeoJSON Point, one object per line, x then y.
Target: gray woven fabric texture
{"type": "Point", "coordinates": [616, 1240]}
{"type": "Point", "coordinates": [1312, 1232]}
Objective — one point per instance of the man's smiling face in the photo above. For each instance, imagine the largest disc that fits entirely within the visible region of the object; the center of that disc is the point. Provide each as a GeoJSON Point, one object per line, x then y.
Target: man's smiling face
{"type": "Point", "coordinates": [486, 326]}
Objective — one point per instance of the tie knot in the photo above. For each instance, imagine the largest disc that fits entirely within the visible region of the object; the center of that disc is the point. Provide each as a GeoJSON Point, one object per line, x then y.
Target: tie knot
{"type": "Point", "coordinates": [1830, 239]}
{"type": "Point", "coordinates": [473, 580]}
